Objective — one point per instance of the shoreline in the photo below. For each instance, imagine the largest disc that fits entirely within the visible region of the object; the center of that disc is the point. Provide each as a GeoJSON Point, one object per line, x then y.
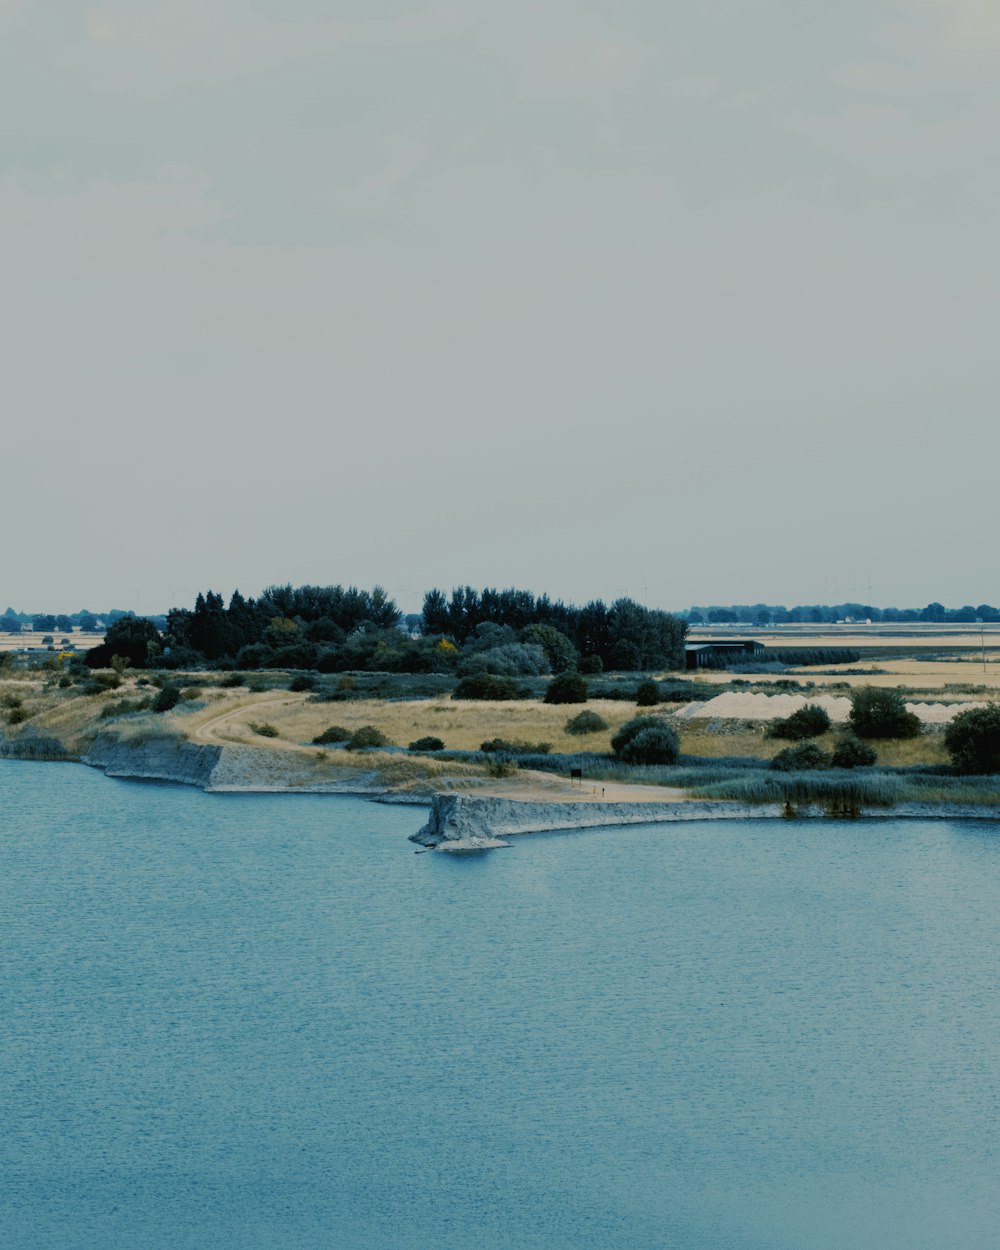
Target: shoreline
{"type": "Point", "coordinates": [464, 822]}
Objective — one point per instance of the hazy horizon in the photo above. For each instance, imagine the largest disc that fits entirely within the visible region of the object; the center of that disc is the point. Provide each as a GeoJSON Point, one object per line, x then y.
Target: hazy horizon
{"type": "Point", "coordinates": [690, 303]}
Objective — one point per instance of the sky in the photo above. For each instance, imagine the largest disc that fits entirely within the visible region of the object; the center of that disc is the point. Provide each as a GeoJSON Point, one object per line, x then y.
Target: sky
{"type": "Point", "coordinates": [695, 302]}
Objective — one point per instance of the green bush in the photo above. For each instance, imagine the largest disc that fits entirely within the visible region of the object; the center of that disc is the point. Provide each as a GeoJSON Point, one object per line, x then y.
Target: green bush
{"type": "Point", "coordinates": [851, 752]}
{"type": "Point", "coordinates": [973, 740]}
{"type": "Point", "coordinates": [805, 722]}
{"type": "Point", "coordinates": [566, 688]}
{"type": "Point", "coordinates": [9, 700]}
{"type": "Point", "coordinates": [878, 712]}
{"type": "Point", "coordinates": [429, 743]}
{"type": "Point", "coordinates": [591, 664]}
{"type": "Point", "coordinates": [647, 693]}
{"type": "Point", "coordinates": [515, 746]}
{"type": "Point", "coordinates": [17, 715]}
{"type": "Point", "coordinates": [264, 730]}
{"type": "Point", "coordinates": [656, 744]}
{"type": "Point", "coordinates": [367, 736]}
{"type": "Point", "coordinates": [586, 723]}
{"type": "Point", "coordinates": [231, 680]}
{"type": "Point", "coordinates": [501, 766]}
{"type": "Point", "coordinates": [336, 733]}
{"type": "Point", "coordinates": [167, 698]}
{"type": "Point", "coordinates": [302, 681]}
{"type": "Point", "coordinates": [646, 740]}
{"type": "Point", "coordinates": [487, 687]}
{"type": "Point", "coordinates": [806, 755]}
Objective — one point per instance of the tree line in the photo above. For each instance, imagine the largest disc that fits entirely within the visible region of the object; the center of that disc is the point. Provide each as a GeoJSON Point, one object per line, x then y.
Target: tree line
{"type": "Point", "coordinates": [829, 614]}
{"type": "Point", "coordinates": [341, 629]}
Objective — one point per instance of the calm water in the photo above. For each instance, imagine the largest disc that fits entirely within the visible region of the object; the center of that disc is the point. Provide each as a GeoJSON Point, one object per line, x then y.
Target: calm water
{"type": "Point", "coordinates": [262, 1021]}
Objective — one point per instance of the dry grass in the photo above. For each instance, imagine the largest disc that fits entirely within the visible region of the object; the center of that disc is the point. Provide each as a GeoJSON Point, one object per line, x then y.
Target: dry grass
{"type": "Point", "coordinates": [460, 725]}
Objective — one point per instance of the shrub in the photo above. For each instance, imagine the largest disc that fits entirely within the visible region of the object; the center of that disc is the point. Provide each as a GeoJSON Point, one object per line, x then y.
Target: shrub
{"type": "Point", "coordinates": [502, 766]}
{"type": "Point", "coordinates": [586, 723]}
{"type": "Point", "coordinates": [591, 664]}
{"type": "Point", "coordinates": [124, 707]}
{"type": "Point", "coordinates": [10, 700]}
{"type": "Point", "coordinates": [107, 679]}
{"type": "Point", "coordinates": [566, 688]}
{"type": "Point", "coordinates": [805, 722]}
{"type": "Point", "coordinates": [806, 755]}
{"type": "Point", "coordinates": [973, 740]}
{"type": "Point", "coordinates": [367, 736]}
{"type": "Point", "coordinates": [515, 746]}
{"type": "Point", "coordinates": [647, 693]}
{"type": "Point", "coordinates": [168, 697]}
{"type": "Point", "coordinates": [17, 716]}
{"type": "Point", "coordinates": [657, 743]}
{"type": "Point", "coordinates": [487, 686]}
{"type": "Point", "coordinates": [851, 752]}
{"type": "Point", "coordinates": [427, 744]}
{"type": "Point", "coordinates": [877, 712]}
{"type": "Point", "coordinates": [231, 680]}
{"type": "Point", "coordinates": [510, 660]}
{"type": "Point", "coordinates": [336, 733]}
{"type": "Point", "coordinates": [264, 730]}
{"type": "Point", "coordinates": [664, 745]}
{"type": "Point", "coordinates": [302, 681]}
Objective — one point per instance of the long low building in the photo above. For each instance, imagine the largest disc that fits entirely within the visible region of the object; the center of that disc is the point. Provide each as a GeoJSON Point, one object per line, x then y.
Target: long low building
{"type": "Point", "coordinates": [701, 654]}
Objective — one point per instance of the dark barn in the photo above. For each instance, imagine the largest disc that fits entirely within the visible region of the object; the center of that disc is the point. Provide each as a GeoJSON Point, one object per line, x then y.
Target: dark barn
{"type": "Point", "coordinates": [702, 654]}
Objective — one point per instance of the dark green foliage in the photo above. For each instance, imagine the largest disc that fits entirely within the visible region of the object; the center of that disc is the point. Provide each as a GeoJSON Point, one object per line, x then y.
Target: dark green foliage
{"type": "Point", "coordinates": [560, 652]}
{"type": "Point", "coordinates": [805, 756]}
{"type": "Point", "coordinates": [586, 723]}
{"type": "Point", "coordinates": [10, 700]}
{"type": "Point", "coordinates": [515, 746]}
{"type": "Point", "coordinates": [851, 752]}
{"type": "Point", "coordinates": [591, 664]}
{"type": "Point", "coordinates": [878, 712]}
{"type": "Point", "coordinates": [655, 743]}
{"type": "Point", "coordinates": [367, 736]}
{"type": "Point", "coordinates": [486, 686]}
{"type": "Point", "coordinates": [647, 693]}
{"type": "Point", "coordinates": [123, 707]}
{"type": "Point", "coordinates": [134, 638]}
{"type": "Point", "coordinates": [625, 635]}
{"type": "Point", "coordinates": [302, 681]}
{"type": "Point", "coordinates": [805, 722]}
{"type": "Point", "coordinates": [232, 680]}
{"type": "Point", "coordinates": [264, 730]}
{"type": "Point", "coordinates": [973, 740]}
{"type": "Point", "coordinates": [336, 733]}
{"type": "Point", "coordinates": [566, 688]}
{"type": "Point", "coordinates": [167, 698]}
{"type": "Point", "coordinates": [17, 715]}
{"type": "Point", "coordinates": [427, 744]}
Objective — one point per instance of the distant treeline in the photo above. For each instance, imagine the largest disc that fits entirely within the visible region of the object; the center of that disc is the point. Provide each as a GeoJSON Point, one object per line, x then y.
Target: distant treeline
{"type": "Point", "coordinates": [62, 622]}
{"type": "Point", "coordinates": [336, 629]}
{"type": "Point", "coordinates": [828, 614]}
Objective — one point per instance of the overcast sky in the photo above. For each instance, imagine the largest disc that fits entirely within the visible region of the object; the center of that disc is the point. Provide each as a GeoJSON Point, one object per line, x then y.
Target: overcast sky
{"type": "Point", "coordinates": [695, 300]}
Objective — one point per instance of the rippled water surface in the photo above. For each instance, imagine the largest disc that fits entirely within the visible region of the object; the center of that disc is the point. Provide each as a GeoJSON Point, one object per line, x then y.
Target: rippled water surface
{"type": "Point", "coordinates": [263, 1021]}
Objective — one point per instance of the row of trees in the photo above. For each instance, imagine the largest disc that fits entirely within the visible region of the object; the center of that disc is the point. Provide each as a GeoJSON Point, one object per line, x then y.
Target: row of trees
{"type": "Point", "coordinates": [337, 629]}
{"type": "Point", "coordinates": [624, 635]}
{"type": "Point", "coordinates": [777, 614]}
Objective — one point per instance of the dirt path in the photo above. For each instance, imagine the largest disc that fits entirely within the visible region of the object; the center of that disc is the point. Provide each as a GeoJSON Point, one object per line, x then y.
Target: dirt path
{"type": "Point", "coordinates": [207, 731]}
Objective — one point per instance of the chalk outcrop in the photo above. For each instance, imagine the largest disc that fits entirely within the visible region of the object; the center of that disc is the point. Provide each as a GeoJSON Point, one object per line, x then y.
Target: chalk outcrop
{"type": "Point", "coordinates": [157, 759]}
{"type": "Point", "coordinates": [460, 822]}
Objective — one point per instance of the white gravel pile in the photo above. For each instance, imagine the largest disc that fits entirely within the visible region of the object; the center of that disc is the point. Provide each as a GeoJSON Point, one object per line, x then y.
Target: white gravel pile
{"type": "Point", "coordinates": [766, 707]}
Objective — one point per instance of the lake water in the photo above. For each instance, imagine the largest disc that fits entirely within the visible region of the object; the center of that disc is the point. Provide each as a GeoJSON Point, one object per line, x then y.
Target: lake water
{"type": "Point", "coordinates": [263, 1021]}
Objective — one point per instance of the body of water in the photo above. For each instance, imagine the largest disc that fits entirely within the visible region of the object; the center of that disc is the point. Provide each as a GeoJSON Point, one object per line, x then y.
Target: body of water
{"type": "Point", "coordinates": [262, 1021]}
